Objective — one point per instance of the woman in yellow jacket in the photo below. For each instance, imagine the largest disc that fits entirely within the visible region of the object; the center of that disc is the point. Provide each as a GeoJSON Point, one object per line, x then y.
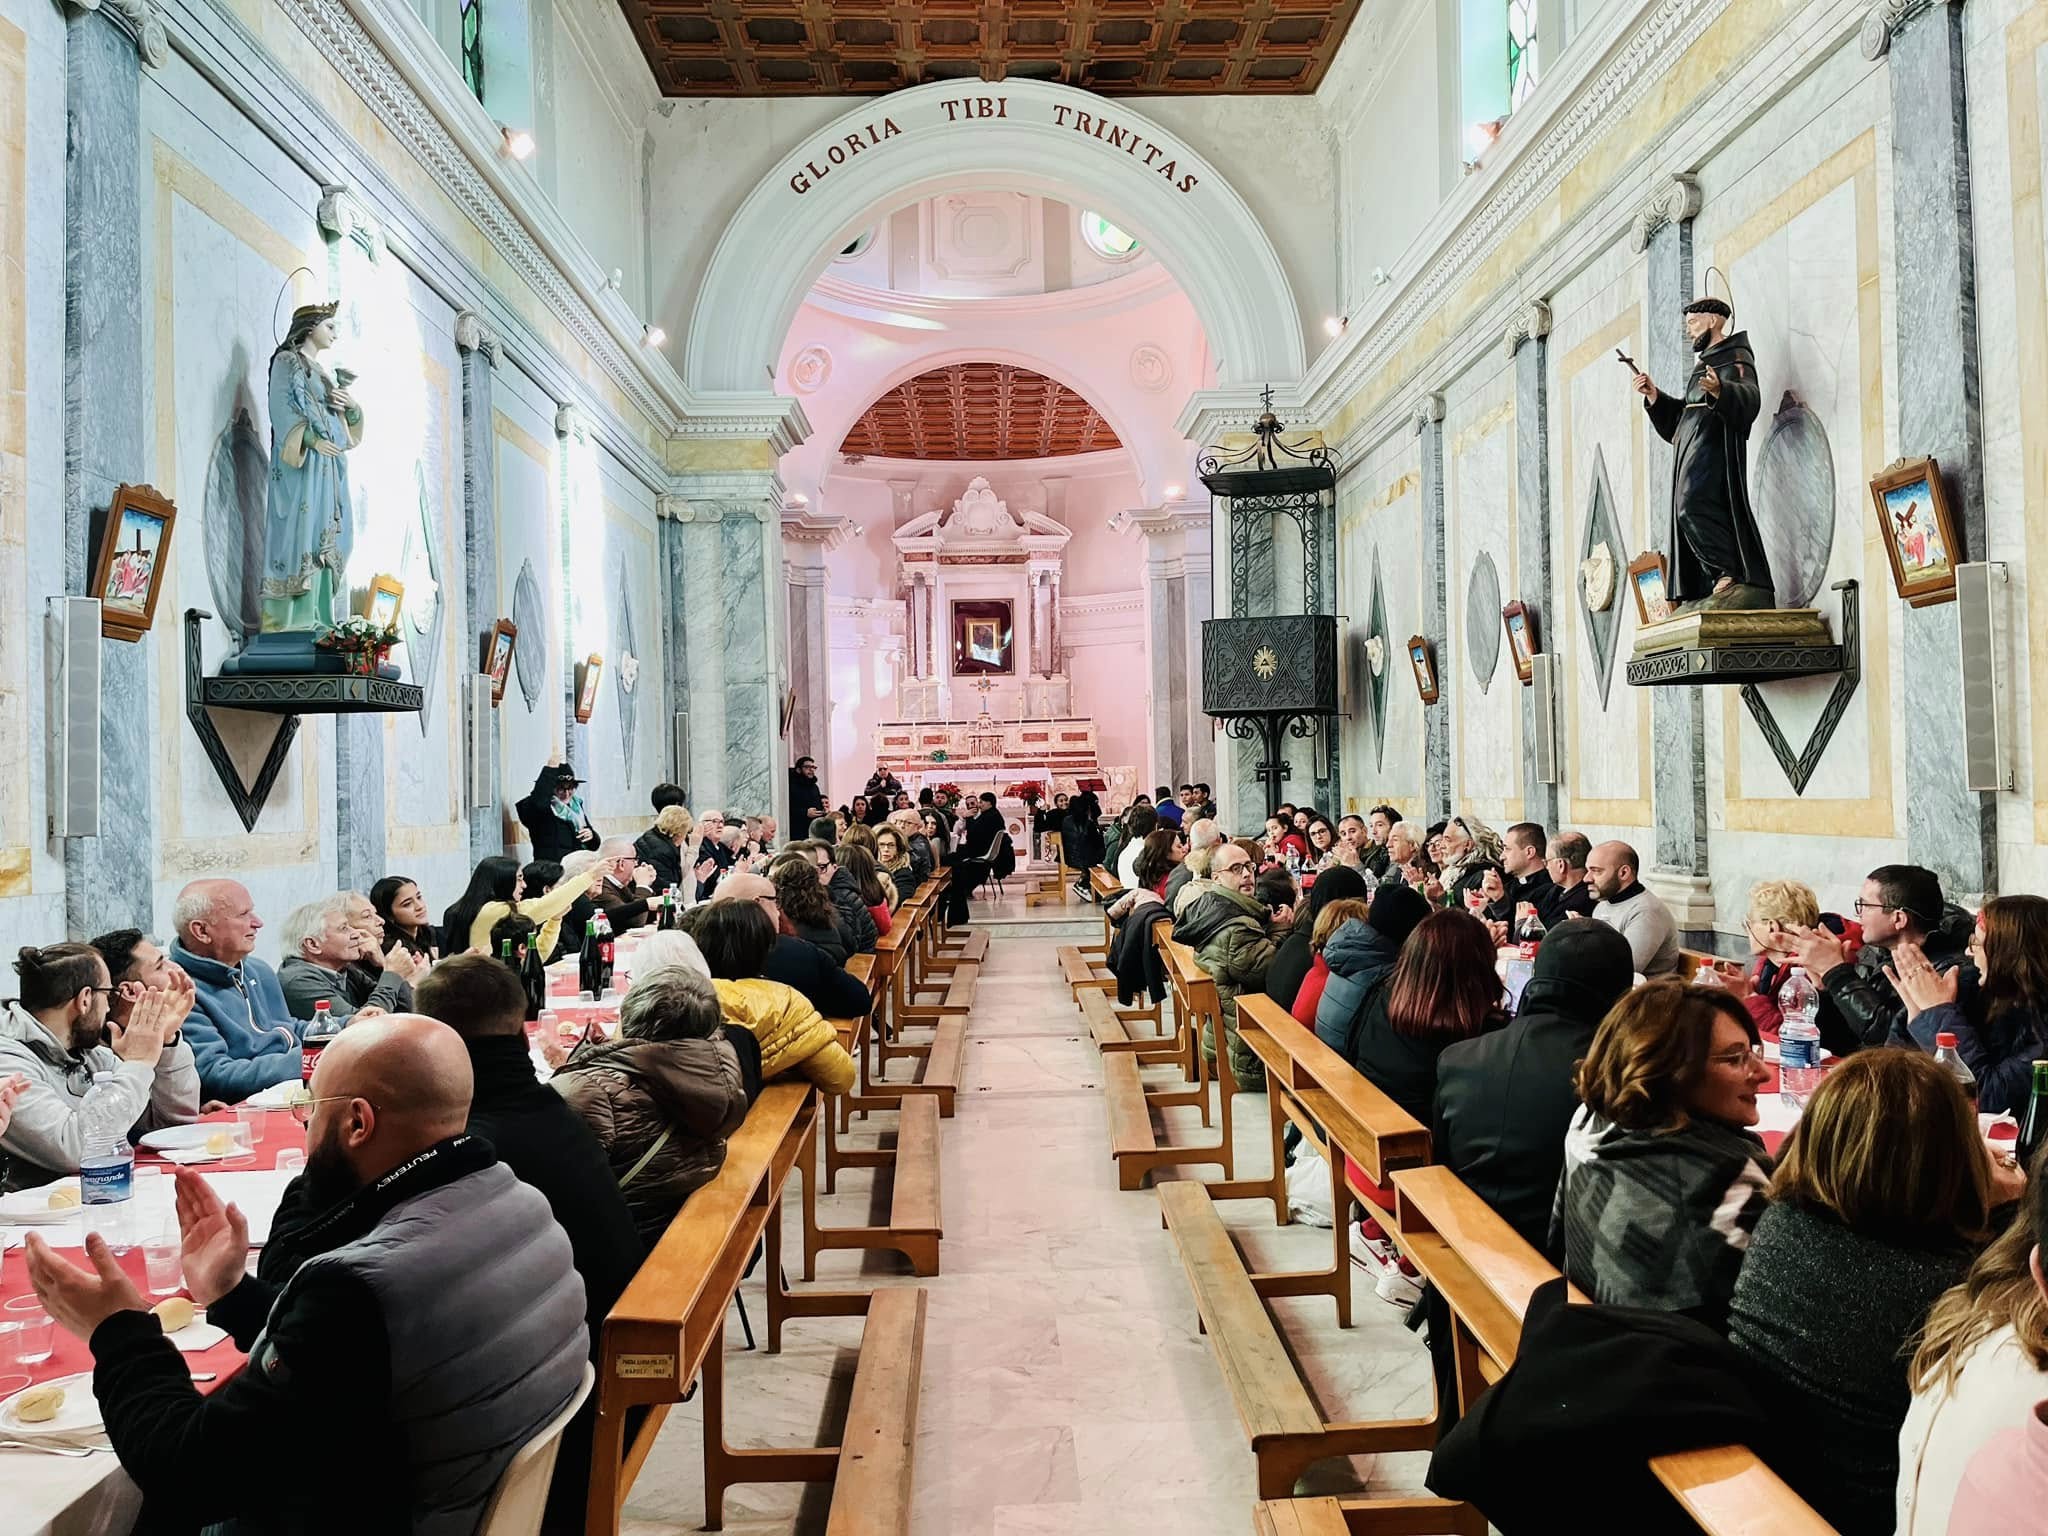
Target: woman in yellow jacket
{"type": "Point", "coordinates": [735, 937]}
{"type": "Point", "coordinates": [495, 891]}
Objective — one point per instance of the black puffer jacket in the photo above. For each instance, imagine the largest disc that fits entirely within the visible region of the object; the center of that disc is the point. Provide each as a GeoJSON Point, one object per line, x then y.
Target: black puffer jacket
{"type": "Point", "coordinates": [632, 1093]}
{"type": "Point", "coordinates": [553, 837]}
{"type": "Point", "coordinates": [1866, 1001]}
{"type": "Point", "coordinates": [857, 925]}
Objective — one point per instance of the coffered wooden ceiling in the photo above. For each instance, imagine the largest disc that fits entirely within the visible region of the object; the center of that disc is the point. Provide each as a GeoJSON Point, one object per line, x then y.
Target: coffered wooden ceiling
{"type": "Point", "coordinates": [979, 411]}
{"type": "Point", "coordinates": [866, 47]}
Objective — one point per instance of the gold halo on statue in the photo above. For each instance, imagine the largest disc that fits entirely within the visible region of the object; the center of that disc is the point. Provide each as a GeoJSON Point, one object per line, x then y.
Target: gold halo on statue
{"type": "Point", "coordinates": [1727, 289]}
{"type": "Point", "coordinates": [301, 309]}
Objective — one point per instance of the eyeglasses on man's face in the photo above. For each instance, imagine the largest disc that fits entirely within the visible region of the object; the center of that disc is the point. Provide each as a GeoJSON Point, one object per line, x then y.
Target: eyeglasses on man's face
{"type": "Point", "coordinates": [302, 1109]}
{"type": "Point", "coordinates": [1861, 906]}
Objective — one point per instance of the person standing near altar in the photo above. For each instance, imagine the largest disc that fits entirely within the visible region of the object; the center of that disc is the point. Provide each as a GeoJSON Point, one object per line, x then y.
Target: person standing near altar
{"type": "Point", "coordinates": [307, 531]}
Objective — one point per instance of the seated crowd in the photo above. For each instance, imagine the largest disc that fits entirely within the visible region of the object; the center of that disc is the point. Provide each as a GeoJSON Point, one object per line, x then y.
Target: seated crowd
{"type": "Point", "coordinates": [1874, 1284]}
{"type": "Point", "coordinates": [414, 1295]}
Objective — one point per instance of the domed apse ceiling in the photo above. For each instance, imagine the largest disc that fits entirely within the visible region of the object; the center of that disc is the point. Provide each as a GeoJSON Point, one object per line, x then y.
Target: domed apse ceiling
{"type": "Point", "coordinates": [867, 47]}
{"type": "Point", "coordinates": [979, 411]}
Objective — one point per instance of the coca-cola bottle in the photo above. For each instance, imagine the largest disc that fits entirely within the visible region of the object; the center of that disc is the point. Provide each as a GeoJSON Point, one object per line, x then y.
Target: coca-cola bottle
{"type": "Point", "coordinates": [320, 1029]}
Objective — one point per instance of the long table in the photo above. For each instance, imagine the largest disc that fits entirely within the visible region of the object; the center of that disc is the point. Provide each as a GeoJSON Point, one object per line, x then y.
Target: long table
{"type": "Point", "coordinates": [48, 1495]}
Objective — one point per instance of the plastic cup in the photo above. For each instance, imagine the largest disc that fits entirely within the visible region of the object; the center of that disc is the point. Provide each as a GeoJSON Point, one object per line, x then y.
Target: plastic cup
{"type": "Point", "coordinates": [35, 1338]}
{"type": "Point", "coordinates": [163, 1263]}
{"type": "Point", "coordinates": [291, 1161]}
{"type": "Point", "coordinates": [249, 1124]}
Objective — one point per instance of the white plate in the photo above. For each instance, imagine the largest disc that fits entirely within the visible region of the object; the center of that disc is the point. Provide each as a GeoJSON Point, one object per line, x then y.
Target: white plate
{"type": "Point", "coordinates": [79, 1416]}
{"type": "Point", "coordinates": [31, 1207]}
{"type": "Point", "coordinates": [187, 1138]}
{"type": "Point", "coordinates": [279, 1095]}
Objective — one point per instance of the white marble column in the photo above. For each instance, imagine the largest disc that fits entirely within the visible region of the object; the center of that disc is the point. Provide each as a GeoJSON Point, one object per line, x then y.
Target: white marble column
{"type": "Point", "coordinates": [107, 878]}
{"type": "Point", "coordinates": [1175, 544]}
{"type": "Point", "coordinates": [1436, 718]}
{"type": "Point", "coordinates": [806, 541]}
{"type": "Point", "coordinates": [1528, 347]}
{"type": "Point", "coordinates": [1197, 605]}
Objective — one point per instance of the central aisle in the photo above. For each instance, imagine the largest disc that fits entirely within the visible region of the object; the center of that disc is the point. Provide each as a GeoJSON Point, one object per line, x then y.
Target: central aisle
{"type": "Point", "coordinates": [1066, 1388]}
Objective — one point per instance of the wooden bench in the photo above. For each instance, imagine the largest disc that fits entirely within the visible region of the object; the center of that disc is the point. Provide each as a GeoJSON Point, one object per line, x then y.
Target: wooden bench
{"type": "Point", "coordinates": [1055, 889]}
{"type": "Point", "coordinates": [1340, 1114]}
{"type": "Point", "coordinates": [913, 1228]}
{"type": "Point", "coordinates": [1084, 973]}
{"type": "Point", "coordinates": [668, 1328]}
{"type": "Point", "coordinates": [902, 957]}
{"type": "Point", "coordinates": [1729, 1492]}
{"type": "Point", "coordinates": [1106, 890]}
{"type": "Point", "coordinates": [1288, 1431]}
{"type": "Point", "coordinates": [872, 1484]}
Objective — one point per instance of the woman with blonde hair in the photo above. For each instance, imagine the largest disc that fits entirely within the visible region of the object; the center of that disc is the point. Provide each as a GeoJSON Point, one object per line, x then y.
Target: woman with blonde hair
{"type": "Point", "coordinates": [661, 847]}
{"type": "Point", "coordinates": [1778, 910]}
{"type": "Point", "coordinates": [1981, 1367]}
{"type": "Point", "coordinates": [1663, 1178]}
{"type": "Point", "coordinates": [1881, 1199]}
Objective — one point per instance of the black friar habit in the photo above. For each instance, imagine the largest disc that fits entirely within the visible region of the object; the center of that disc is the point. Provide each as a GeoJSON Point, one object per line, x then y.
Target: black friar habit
{"type": "Point", "coordinates": [1713, 527]}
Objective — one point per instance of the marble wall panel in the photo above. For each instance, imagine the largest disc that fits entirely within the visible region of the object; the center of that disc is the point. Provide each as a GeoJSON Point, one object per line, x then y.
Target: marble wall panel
{"type": "Point", "coordinates": [1379, 513]}
{"type": "Point", "coordinates": [1598, 424]}
{"type": "Point", "coordinates": [529, 731]}
{"type": "Point", "coordinates": [621, 776]}
{"type": "Point", "coordinates": [1479, 489]}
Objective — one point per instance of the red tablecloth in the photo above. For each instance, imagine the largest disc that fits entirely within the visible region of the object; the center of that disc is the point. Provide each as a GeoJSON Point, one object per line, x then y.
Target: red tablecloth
{"type": "Point", "coordinates": [280, 1133]}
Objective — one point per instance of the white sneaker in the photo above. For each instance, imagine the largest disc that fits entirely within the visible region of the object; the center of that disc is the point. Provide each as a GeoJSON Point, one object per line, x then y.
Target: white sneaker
{"type": "Point", "coordinates": [1373, 1251]}
{"type": "Point", "coordinates": [1398, 1285]}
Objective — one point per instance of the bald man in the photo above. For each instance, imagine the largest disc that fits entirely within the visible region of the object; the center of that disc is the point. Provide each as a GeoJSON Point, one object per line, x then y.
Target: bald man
{"type": "Point", "coordinates": [826, 985]}
{"type": "Point", "coordinates": [420, 1315]}
{"type": "Point", "coordinates": [243, 1035]}
{"type": "Point", "coordinates": [1638, 914]}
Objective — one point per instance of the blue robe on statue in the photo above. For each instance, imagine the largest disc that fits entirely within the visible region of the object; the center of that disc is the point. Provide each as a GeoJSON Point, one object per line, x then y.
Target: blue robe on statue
{"type": "Point", "coordinates": [306, 525]}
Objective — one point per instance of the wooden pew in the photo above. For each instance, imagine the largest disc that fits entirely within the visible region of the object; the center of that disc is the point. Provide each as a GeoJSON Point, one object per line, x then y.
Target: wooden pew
{"type": "Point", "coordinates": [1057, 888]}
{"type": "Point", "coordinates": [909, 966]}
{"type": "Point", "coordinates": [1486, 1274]}
{"type": "Point", "coordinates": [1340, 1114]}
{"type": "Point", "coordinates": [1288, 1431]}
{"type": "Point", "coordinates": [668, 1330]}
{"type": "Point", "coordinates": [1103, 884]}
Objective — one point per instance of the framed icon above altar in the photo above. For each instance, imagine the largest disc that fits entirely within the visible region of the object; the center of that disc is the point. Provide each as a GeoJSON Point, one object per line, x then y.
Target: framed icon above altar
{"type": "Point", "coordinates": [983, 640]}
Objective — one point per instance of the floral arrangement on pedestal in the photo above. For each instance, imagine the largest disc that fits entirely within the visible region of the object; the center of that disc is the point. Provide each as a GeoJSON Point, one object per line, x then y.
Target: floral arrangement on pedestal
{"type": "Point", "coordinates": [1030, 791]}
{"type": "Point", "coordinates": [366, 643]}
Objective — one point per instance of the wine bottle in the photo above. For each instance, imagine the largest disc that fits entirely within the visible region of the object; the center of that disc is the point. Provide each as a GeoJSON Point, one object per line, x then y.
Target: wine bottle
{"type": "Point", "coordinates": [533, 977]}
{"type": "Point", "coordinates": [2034, 1123]}
{"type": "Point", "coordinates": [590, 964]}
{"type": "Point", "coordinates": [605, 954]}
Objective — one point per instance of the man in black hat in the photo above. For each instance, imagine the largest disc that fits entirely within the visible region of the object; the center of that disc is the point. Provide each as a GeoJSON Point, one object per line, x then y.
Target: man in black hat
{"type": "Point", "coordinates": [1717, 558]}
{"type": "Point", "coordinates": [553, 814]}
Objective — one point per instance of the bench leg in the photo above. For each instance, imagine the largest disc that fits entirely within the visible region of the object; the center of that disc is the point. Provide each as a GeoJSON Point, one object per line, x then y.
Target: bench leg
{"type": "Point", "coordinates": [725, 1465]}
{"type": "Point", "coordinates": [1282, 1459]}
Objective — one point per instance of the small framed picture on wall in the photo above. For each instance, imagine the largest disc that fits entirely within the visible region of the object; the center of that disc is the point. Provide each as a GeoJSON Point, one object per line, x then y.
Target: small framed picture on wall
{"type": "Point", "coordinates": [588, 672]}
{"type": "Point", "coordinates": [1423, 659]}
{"type": "Point", "coordinates": [134, 545]}
{"type": "Point", "coordinates": [499, 642]}
{"type": "Point", "coordinates": [1522, 643]}
{"type": "Point", "coordinates": [1646, 582]}
{"type": "Point", "coordinates": [386, 597]}
{"type": "Point", "coordinates": [1919, 532]}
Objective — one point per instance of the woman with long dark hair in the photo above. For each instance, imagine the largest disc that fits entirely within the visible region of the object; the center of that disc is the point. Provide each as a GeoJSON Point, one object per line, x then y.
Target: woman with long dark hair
{"type": "Point", "coordinates": [1442, 989]}
{"type": "Point", "coordinates": [495, 891]}
{"type": "Point", "coordinates": [403, 909]}
{"type": "Point", "coordinates": [2000, 1023]}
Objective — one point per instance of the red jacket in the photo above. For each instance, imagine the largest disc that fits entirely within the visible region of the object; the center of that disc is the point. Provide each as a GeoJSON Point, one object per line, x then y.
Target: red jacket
{"type": "Point", "coordinates": [1766, 978]}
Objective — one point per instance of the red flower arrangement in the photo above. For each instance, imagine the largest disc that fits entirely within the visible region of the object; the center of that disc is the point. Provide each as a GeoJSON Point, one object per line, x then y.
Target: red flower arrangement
{"type": "Point", "coordinates": [950, 790]}
{"type": "Point", "coordinates": [1030, 791]}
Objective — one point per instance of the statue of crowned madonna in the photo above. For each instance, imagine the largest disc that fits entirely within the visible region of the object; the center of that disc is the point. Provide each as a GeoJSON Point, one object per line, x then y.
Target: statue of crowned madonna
{"type": "Point", "coordinates": [314, 422]}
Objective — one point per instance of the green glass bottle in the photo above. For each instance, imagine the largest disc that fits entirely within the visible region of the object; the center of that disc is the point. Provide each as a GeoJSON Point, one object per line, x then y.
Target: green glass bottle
{"type": "Point", "coordinates": [2034, 1122]}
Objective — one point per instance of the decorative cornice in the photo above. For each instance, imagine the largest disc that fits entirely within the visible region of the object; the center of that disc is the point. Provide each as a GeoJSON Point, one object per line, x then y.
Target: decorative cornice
{"type": "Point", "coordinates": [1212, 414]}
{"type": "Point", "coordinates": [1102, 605]}
{"type": "Point", "coordinates": [341, 214]}
{"type": "Point", "coordinates": [144, 24]}
{"type": "Point", "coordinates": [758, 492]}
{"type": "Point", "coordinates": [1673, 203]}
{"type": "Point", "coordinates": [473, 333]}
{"type": "Point", "coordinates": [1531, 323]}
{"type": "Point", "coordinates": [1633, 69]}
{"type": "Point", "coordinates": [826, 532]}
{"type": "Point", "coordinates": [363, 63]}
{"type": "Point", "coordinates": [1429, 410]}
{"type": "Point", "coordinates": [1884, 19]}
{"type": "Point", "coordinates": [1155, 522]}
{"type": "Point", "coordinates": [779, 419]}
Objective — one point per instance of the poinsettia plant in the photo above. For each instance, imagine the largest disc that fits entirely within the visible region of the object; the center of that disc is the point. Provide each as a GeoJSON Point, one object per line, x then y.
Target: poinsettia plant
{"type": "Point", "coordinates": [356, 633]}
{"type": "Point", "coordinates": [1030, 791]}
{"type": "Point", "coordinates": [950, 790]}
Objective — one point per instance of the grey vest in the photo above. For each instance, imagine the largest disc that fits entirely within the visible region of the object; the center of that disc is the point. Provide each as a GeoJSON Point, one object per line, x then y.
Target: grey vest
{"type": "Point", "coordinates": [484, 1311]}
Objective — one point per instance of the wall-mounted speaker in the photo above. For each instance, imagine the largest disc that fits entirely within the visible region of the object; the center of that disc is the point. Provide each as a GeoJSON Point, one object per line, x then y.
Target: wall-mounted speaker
{"type": "Point", "coordinates": [1543, 681]}
{"type": "Point", "coordinates": [1982, 595]}
{"type": "Point", "coordinates": [480, 723]}
{"type": "Point", "coordinates": [73, 662]}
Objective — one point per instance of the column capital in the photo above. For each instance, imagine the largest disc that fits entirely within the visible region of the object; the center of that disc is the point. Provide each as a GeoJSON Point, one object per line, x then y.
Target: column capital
{"type": "Point", "coordinates": [341, 214]}
{"type": "Point", "coordinates": [568, 420]}
{"type": "Point", "coordinates": [144, 23]}
{"type": "Point", "coordinates": [819, 531]}
{"type": "Point", "coordinates": [1531, 323]}
{"type": "Point", "coordinates": [1881, 23]}
{"type": "Point", "coordinates": [1674, 201]}
{"type": "Point", "coordinates": [1429, 410]}
{"type": "Point", "coordinates": [473, 333]}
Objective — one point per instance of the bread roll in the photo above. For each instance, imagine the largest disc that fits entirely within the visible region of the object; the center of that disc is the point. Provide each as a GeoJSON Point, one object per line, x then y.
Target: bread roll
{"type": "Point", "coordinates": [63, 1198]}
{"type": "Point", "coordinates": [39, 1405]}
{"type": "Point", "coordinates": [174, 1312]}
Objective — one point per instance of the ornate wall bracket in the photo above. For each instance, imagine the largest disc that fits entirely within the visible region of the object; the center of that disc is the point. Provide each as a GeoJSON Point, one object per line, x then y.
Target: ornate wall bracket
{"type": "Point", "coordinates": [1676, 201]}
{"type": "Point", "coordinates": [1799, 767]}
{"type": "Point", "coordinates": [231, 742]}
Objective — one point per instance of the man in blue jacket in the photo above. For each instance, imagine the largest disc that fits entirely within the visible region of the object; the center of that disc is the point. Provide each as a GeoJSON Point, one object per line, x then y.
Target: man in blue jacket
{"type": "Point", "coordinates": [242, 1034]}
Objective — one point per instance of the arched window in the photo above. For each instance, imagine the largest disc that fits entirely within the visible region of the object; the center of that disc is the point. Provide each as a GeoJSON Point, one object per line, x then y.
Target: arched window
{"type": "Point", "coordinates": [1106, 239]}
{"type": "Point", "coordinates": [857, 246]}
{"type": "Point", "coordinates": [1522, 57]}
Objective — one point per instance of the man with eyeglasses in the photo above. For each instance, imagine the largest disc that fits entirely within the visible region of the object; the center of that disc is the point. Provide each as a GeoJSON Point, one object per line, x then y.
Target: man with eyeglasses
{"type": "Point", "coordinates": [831, 989]}
{"type": "Point", "coordinates": [1899, 904]}
{"type": "Point", "coordinates": [416, 1305]}
{"type": "Point", "coordinates": [1231, 932]}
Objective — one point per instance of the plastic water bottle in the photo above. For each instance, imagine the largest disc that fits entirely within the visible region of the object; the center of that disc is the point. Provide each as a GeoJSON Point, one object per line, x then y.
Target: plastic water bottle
{"type": "Point", "coordinates": [1947, 1055]}
{"type": "Point", "coordinates": [106, 1183]}
{"type": "Point", "coordinates": [1798, 1039]}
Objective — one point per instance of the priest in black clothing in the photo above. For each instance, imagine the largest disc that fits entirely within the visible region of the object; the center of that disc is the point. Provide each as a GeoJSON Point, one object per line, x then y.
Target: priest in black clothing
{"type": "Point", "coordinates": [1716, 555]}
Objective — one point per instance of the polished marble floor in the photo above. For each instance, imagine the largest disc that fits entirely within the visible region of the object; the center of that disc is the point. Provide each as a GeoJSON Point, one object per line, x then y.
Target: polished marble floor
{"type": "Point", "coordinates": [1066, 1388]}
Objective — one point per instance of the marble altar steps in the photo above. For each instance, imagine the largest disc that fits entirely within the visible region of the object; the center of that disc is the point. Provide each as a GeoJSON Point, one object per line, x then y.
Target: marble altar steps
{"type": "Point", "coordinates": [1484, 1271]}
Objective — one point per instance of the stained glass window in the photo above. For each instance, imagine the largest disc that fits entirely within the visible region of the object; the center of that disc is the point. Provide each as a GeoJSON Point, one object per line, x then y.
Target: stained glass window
{"type": "Point", "coordinates": [1106, 239]}
{"type": "Point", "coordinates": [1521, 50]}
{"type": "Point", "coordinates": [473, 46]}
